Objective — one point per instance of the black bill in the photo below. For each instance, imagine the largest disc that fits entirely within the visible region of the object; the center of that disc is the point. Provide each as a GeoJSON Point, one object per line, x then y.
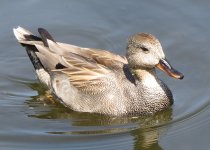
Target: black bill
{"type": "Point", "coordinates": [165, 66]}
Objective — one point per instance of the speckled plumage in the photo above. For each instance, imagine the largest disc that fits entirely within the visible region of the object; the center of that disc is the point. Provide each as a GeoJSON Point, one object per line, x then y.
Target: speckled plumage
{"type": "Point", "coordinates": [97, 81]}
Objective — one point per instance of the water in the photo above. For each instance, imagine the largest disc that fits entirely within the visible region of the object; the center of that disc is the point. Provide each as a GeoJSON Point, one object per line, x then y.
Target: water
{"type": "Point", "coordinates": [28, 121]}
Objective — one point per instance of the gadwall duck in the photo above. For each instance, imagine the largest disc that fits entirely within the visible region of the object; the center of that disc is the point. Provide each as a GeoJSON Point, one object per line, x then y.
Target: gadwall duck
{"type": "Point", "coordinates": [98, 81]}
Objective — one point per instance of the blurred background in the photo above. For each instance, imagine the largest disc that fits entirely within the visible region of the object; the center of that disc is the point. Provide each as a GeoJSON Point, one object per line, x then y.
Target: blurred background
{"type": "Point", "coordinates": [30, 121]}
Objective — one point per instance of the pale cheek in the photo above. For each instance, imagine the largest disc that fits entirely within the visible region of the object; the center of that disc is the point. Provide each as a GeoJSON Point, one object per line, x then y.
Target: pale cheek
{"type": "Point", "coordinates": [150, 61]}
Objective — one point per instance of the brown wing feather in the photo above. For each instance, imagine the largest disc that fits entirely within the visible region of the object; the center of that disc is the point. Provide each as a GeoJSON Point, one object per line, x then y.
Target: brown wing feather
{"type": "Point", "coordinates": [102, 57]}
{"type": "Point", "coordinates": [83, 66]}
{"type": "Point", "coordinates": [82, 72]}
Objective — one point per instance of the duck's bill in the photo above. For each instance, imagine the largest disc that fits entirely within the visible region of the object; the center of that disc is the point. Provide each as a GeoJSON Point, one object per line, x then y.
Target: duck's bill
{"type": "Point", "coordinates": [165, 66]}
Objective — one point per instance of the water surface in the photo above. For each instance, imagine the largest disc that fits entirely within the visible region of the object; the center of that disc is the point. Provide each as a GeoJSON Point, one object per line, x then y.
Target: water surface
{"type": "Point", "coordinates": [30, 121]}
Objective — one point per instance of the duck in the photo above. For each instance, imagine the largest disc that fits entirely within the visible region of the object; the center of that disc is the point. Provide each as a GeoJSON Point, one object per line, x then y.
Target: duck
{"type": "Point", "coordinates": [99, 81]}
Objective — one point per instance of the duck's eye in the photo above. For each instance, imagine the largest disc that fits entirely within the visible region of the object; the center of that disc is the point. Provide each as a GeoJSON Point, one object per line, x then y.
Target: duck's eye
{"type": "Point", "coordinates": [145, 49]}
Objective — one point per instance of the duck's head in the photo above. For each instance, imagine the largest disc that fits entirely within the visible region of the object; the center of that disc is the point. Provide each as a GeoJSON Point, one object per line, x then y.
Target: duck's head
{"type": "Point", "coordinates": [144, 51]}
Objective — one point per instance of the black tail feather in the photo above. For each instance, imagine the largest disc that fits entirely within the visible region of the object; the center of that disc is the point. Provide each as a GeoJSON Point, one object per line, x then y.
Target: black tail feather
{"type": "Point", "coordinates": [45, 35]}
{"type": "Point", "coordinates": [30, 49]}
{"type": "Point", "coordinates": [32, 38]}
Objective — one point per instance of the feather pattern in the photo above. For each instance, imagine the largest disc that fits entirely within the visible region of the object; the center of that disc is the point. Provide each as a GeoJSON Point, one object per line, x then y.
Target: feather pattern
{"type": "Point", "coordinates": [83, 66]}
{"type": "Point", "coordinates": [98, 81]}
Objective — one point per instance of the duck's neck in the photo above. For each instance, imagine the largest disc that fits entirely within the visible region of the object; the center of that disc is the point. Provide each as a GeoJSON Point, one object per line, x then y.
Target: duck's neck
{"type": "Point", "coordinates": [153, 93]}
{"type": "Point", "coordinates": [147, 76]}
{"type": "Point", "coordinates": [151, 86]}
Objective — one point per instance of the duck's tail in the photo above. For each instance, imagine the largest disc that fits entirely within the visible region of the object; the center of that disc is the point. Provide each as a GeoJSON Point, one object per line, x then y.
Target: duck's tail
{"type": "Point", "coordinates": [28, 40]}
{"type": "Point", "coordinates": [24, 36]}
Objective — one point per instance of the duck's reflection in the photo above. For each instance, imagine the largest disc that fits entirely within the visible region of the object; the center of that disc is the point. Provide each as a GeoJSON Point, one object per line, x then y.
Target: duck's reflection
{"type": "Point", "coordinates": [146, 130]}
{"type": "Point", "coordinates": [150, 130]}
